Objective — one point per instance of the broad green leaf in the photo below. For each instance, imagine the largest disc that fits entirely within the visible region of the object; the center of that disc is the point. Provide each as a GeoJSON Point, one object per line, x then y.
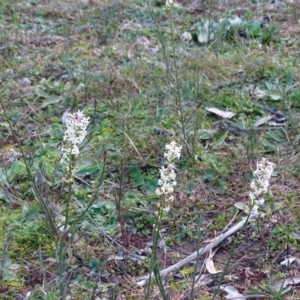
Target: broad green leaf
{"type": "Point", "coordinates": [8, 275]}
{"type": "Point", "coordinates": [254, 28]}
{"type": "Point", "coordinates": [3, 177]}
{"type": "Point", "coordinates": [13, 170]}
{"type": "Point", "coordinates": [137, 175]}
{"type": "Point", "coordinates": [88, 169]}
{"type": "Point", "coordinates": [88, 285]}
{"type": "Point", "coordinates": [6, 195]}
{"type": "Point", "coordinates": [14, 267]}
{"type": "Point", "coordinates": [94, 264]}
{"type": "Point", "coordinates": [220, 140]}
{"type": "Point", "coordinates": [99, 204]}
{"type": "Point", "coordinates": [39, 92]}
{"type": "Point", "coordinates": [277, 136]}
{"type": "Point", "coordinates": [51, 100]}
{"type": "Point", "coordinates": [269, 147]}
{"type": "Point", "coordinates": [270, 86]}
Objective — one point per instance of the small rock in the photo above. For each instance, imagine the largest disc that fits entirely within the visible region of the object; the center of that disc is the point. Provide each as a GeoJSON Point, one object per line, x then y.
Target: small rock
{"type": "Point", "coordinates": [25, 81]}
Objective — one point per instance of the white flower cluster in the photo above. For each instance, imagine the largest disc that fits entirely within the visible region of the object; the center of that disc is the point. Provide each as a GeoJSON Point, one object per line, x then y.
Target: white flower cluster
{"type": "Point", "coordinates": [169, 3]}
{"type": "Point", "coordinates": [259, 185]}
{"type": "Point", "coordinates": [75, 133]}
{"type": "Point", "coordinates": [172, 3]}
{"type": "Point", "coordinates": [167, 180]}
{"type": "Point", "coordinates": [173, 151]}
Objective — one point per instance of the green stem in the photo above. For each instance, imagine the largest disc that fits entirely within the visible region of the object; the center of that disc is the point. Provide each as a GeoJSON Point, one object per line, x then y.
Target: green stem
{"type": "Point", "coordinates": [70, 182]}
{"type": "Point", "coordinates": [156, 269]}
{"type": "Point", "coordinates": [63, 243]}
{"type": "Point", "coordinates": [154, 265]}
{"type": "Point", "coordinates": [61, 263]}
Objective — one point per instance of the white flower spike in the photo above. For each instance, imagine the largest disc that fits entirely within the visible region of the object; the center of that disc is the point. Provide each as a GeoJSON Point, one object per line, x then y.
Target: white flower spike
{"type": "Point", "coordinates": [75, 133]}
{"type": "Point", "coordinates": [173, 151]}
{"type": "Point", "coordinates": [259, 185]}
{"type": "Point", "coordinates": [169, 3]}
{"type": "Point", "coordinates": [167, 180]}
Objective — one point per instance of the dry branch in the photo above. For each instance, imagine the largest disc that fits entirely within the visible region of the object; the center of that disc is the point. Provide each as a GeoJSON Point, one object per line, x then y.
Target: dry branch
{"type": "Point", "coordinates": [201, 251]}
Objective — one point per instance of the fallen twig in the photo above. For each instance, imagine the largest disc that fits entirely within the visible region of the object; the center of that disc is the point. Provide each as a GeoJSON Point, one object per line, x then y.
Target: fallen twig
{"type": "Point", "coordinates": [201, 251]}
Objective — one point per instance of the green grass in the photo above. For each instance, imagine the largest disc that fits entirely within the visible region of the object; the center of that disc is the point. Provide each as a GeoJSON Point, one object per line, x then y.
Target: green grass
{"type": "Point", "coordinates": [85, 55]}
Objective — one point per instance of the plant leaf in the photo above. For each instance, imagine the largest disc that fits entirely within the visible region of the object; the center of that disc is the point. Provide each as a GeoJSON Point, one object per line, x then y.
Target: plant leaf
{"type": "Point", "coordinates": [14, 267]}
{"type": "Point", "coordinates": [275, 96]}
{"type": "Point", "coordinates": [3, 177]}
{"type": "Point", "coordinates": [50, 100]}
{"type": "Point", "coordinates": [13, 170]}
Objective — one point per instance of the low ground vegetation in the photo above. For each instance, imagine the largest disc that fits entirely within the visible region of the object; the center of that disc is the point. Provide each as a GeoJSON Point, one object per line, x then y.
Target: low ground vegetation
{"type": "Point", "coordinates": [221, 78]}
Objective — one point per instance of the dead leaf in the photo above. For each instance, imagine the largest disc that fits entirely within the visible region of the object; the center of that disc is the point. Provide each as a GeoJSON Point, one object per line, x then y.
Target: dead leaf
{"type": "Point", "coordinates": [277, 124]}
{"type": "Point", "coordinates": [220, 113]}
{"type": "Point", "coordinates": [241, 206]}
{"type": "Point", "coordinates": [263, 120]}
{"type": "Point", "coordinates": [288, 261]}
{"type": "Point", "coordinates": [285, 282]}
{"type": "Point", "coordinates": [232, 293]}
{"type": "Point", "coordinates": [296, 236]}
{"type": "Point", "coordinates": [258, 93]}
{"type": "Point", "coordinates": [210, 267]}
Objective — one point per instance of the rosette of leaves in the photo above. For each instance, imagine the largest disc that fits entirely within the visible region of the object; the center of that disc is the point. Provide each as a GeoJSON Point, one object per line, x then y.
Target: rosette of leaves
{"type": "Point", "coordinates": [260, 29]}
{"type": "Point", "coordinates": [207, 30]}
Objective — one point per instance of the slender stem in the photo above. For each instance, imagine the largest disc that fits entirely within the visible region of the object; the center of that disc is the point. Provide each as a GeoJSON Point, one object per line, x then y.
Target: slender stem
{"type": "Point", "coordinates": [156, 269]}
{"type": "Point", "coordinates": [155, 238]}
{"type": "Point", "coordinates": [78, 218]}
{"type": "Point", "coordinates": [177, 82]}
{"type": "Point", "coordinates": [70, 183]}
{"type": "Point", "coordinates": [154, 264]}
{"type": "Point", "coordinates": [63, 243]}
{"type": "Point", "coordinates": [61, 254]}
